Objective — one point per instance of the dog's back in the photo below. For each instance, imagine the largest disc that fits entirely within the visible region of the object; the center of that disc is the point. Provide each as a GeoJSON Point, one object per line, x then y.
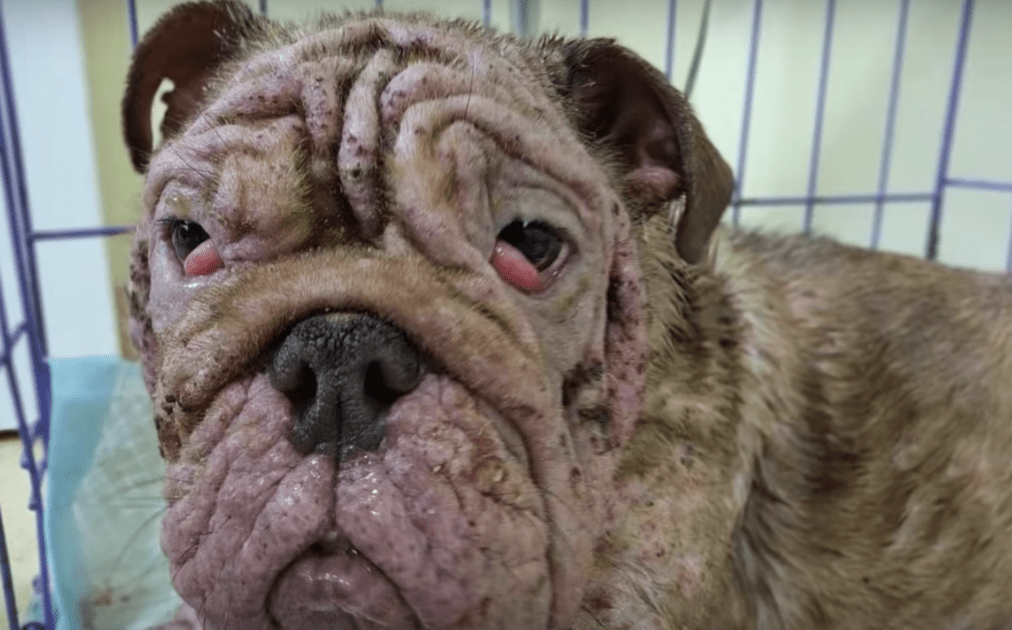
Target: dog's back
{"type": "Point", "coordinates": [880, 400]}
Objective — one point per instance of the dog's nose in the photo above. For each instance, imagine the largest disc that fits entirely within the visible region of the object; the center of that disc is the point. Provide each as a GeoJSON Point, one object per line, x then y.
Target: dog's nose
{"type": "Point", "coordinates": [342, 373]}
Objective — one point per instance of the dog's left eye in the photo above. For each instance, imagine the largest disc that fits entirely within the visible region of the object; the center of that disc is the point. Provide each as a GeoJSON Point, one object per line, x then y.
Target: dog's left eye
{"type": "Point", "coordinates": [524, 251]}
{"type": "Point", "coordinates": [193, 247]}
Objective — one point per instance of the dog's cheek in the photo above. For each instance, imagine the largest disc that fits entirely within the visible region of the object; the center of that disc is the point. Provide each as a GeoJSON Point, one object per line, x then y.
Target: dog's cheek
{"type": "Point", "coordinates": [138, 293]}
{"type": "Point", "coordinates": [170, 290]}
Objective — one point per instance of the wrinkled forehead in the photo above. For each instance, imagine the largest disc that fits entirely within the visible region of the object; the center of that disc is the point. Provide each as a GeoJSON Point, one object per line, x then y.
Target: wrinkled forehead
{"type": "Point", "coordinates": [347, 102]}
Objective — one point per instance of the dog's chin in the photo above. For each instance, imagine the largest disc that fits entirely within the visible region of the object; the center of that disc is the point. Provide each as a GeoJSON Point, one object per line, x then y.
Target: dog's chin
{"type": "Point", "coordinates": [440, 527]}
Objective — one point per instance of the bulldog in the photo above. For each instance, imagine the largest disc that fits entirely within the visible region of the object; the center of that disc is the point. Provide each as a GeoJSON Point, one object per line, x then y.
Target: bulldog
{"type": "Point", "coordinates": [442, 333]}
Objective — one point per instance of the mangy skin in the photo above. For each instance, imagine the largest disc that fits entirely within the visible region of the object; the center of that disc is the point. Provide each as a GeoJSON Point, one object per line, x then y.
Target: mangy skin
{"type": "Point", "coordinates": [482, 505]}
{"type": "Point", "coordinates": [685, 429]}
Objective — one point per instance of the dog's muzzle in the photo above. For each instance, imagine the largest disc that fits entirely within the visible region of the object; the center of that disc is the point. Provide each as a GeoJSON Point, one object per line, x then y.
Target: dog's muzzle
{"type": "Point", "coordinates": [343, 372]}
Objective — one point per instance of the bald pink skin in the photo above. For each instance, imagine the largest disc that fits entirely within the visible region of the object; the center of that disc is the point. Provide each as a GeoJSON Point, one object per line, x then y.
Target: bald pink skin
{"type": "Point", "coordinates": [515, 269]}
{"type": "Point", "coordinates": [483, 504]}
{"type": "Point", "coordinates": [204, 259]}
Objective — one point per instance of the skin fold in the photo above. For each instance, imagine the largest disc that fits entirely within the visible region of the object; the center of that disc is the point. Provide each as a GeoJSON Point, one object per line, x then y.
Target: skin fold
{"type": "Point", "coordinates": [666, 425]}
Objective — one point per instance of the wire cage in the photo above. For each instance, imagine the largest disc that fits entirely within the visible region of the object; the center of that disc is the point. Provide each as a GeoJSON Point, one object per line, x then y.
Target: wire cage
{"type": "Point", "coordinates": [802, 161]}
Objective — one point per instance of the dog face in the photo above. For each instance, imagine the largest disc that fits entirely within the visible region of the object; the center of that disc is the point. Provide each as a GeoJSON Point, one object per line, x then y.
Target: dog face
{"type": "Point", "coordinates": [391, 312]}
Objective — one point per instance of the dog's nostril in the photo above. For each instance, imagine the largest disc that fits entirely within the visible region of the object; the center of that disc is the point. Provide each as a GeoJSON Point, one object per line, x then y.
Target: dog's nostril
{"type": "Point", "coordinates": [376, 386]}
{"type": "Point", "coordinates": [303, 392]}
{"type": "Point", "coordinates": [342, 373]}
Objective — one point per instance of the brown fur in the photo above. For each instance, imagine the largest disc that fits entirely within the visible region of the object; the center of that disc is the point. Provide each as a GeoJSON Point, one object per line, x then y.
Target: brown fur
{"type": "Point", "coordinates": [826, 434]}
{"type": "Point", "coordinates": [837, 424]}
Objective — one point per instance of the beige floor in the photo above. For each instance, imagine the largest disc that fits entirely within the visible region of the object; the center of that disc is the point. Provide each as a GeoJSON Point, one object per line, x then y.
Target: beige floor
{"type": "Point", "coordinates": [19, 525]}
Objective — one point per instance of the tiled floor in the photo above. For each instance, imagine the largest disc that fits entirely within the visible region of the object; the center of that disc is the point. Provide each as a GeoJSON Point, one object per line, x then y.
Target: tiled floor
{"type": "Point", "coordinates": [19, 525]}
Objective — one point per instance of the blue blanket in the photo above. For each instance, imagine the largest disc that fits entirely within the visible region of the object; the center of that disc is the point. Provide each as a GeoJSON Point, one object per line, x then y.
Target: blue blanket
{"type": "Point", "coordinates": [104, 499]}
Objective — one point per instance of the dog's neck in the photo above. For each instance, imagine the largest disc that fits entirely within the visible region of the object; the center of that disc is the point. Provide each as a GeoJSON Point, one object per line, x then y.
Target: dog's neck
{"type": "Point", "coordinates": [683, 476]}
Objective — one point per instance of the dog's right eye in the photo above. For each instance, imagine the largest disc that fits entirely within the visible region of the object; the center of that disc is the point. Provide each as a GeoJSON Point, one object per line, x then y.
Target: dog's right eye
{"type": "Point", "coordinates": [193, 247]}
{"type": "Point", "coordinates": [526, 254]}
{"type": "Point", "coordinates": [186, 236]}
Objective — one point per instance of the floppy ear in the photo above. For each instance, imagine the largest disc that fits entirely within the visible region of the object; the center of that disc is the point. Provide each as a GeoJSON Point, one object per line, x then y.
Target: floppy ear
{"type": "Point", "coordinates": [627, 105]}
{"type": "Point", "coordinates": [187, 45]}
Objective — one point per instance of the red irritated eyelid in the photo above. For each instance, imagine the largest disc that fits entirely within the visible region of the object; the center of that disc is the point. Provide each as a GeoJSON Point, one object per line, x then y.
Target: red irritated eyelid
{"type": "Point", "coordinates": [204, 259]}
{"type": "Point", "coordinates": [514, 268]}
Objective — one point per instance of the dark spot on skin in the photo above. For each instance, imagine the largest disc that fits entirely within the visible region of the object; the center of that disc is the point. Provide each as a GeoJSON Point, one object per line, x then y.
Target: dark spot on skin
{"type": "Point", "coordinates": [167, 409]}
{"type": "Point", "coordinates": [170, 398]}
{"type": "Point", "coordinates": [728, 343]}
{"type": "Point", "coordinates": [598, 602]}
{"type": "Point", "coordinates": [687, 459]}
{"type": "Point", "coordinates": [865, 580]}
{"type": "Point", "coordinates": [578, 378]}
{"type": "Point", "coordinates": [168, 439]}
{"type": "Point", "coordinates": [575, 474]}
{"type": "Point", "coordinates": [614, 309]}
{"type": "Point", "coordinates": [597, 414]}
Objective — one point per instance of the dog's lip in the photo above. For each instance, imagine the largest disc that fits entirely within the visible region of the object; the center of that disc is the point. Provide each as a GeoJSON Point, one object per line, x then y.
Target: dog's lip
{"type": "Point", "coordinates": [333, 578]}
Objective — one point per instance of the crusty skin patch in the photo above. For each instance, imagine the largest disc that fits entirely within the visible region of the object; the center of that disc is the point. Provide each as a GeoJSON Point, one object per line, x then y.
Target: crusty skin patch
{"type": "Point", "coordinates": [669, 427]}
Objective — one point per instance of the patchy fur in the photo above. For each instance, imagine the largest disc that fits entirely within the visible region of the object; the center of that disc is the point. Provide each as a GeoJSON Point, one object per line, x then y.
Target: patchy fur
{"type": "Point", "coordinates": [676, 426]}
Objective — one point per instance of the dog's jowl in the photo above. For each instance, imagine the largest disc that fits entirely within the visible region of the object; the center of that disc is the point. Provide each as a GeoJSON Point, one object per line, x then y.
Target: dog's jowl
{"type": "Point", "coordinates": [442, 333]}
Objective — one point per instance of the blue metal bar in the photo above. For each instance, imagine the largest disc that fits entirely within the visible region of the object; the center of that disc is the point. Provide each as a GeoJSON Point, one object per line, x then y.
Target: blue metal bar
{"type": "Point", "coordinates": [263, 8]}
{"type": "Point", "coordinates": [132, 22]}
{"type": "Point", "coordinates": [835, 199]}
{"type": "Point", "coordinates": [584, 17]}
{"type": "Point", "coordinates": [21, 209]}
{"type": "Point", "coordinates": [35, 498]}
{"type": "Point", "coordinates": [379, 4]}
{"type": "Point", "coordinates": [49, 235]}
{"type": "Point", "coordinates": [820, 110]}
{"type": "Point", "coordinates": [669, 55]}
{"type": "Point", "coordinates": [7, 578]}
{"type": "Point", "coordinates": [16, 196]}
{"type": "Point", "coordinates": [947, 134]}
{"type": "Point", "coordinates": [6, 353]}
{"type": "Point", "coordinates": [10, 340]}
{"type": "Point", "coordinates": [890, 129]}
{"type": "Point", "coordinates": [746, 118]}
{"type": "Point", "coordinates": [486, 12]}
{"type": "Point", "coordinates": [978, 184]}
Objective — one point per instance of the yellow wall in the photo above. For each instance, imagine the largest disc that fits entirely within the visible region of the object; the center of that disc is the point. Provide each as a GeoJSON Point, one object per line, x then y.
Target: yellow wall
{"type": "Point", "coordinates": [106, 42]}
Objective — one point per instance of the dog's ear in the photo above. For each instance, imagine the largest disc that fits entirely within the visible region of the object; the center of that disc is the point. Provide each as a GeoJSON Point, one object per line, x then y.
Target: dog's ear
{"type": "Point", "coordinates": [186, 45]}
{"type": "Point", "coordinates": [621, 101]}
